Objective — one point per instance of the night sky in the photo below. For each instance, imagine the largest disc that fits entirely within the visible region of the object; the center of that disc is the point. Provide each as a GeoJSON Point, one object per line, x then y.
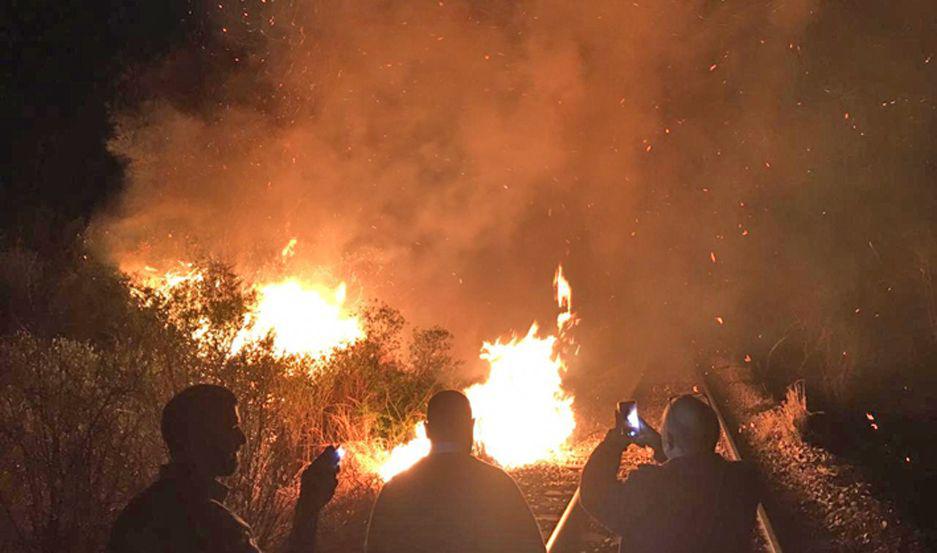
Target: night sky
{"type": "Point", "coordinates": [62, 68]}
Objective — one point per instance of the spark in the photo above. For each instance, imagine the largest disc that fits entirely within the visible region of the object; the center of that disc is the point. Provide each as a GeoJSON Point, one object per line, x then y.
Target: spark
{"type": "Point", "coordinates": [288, 251]}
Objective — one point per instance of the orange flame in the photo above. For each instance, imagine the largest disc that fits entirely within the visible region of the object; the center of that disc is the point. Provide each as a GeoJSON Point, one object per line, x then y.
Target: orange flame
{"type": "Point", "coordinates": [522, 414]}
{"type": "Point", "coordinates": [564, 299]}
{"type": "Point", "coordinates": [305, 319]}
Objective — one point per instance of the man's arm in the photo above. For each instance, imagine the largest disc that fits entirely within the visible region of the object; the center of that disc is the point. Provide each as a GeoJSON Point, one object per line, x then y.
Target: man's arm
{"type": "Point", "coordinates": [600, 491]}
{"type": "Point", "coordinates": [317, 486]}
{"type": "Point", "coordinates": [614, 503]}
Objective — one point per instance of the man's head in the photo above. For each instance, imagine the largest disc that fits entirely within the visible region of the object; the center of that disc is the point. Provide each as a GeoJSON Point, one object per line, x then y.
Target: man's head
{"type": "Point", "coordinates": [201, 428]}
{"type": "Point", "coordinates": [449, 420]}
{"type": "Point", "coordinates": [690, 427]}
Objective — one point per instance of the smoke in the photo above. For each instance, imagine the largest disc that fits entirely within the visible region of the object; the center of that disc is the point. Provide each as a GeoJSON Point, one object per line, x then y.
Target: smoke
{"type": "Point", "coordinates": [445, 156]}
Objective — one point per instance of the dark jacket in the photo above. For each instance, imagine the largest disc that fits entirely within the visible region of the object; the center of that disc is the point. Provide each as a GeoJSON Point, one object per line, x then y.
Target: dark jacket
{"type": "Point", "coordinates": [698, 504]}
{"type": "Point", "coordinates": [452, 503]}
{"type": "Point", "coordinates": [180, 514]}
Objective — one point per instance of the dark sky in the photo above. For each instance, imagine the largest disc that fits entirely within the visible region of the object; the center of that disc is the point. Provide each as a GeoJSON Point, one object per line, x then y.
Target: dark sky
{"type": "Point", "coordinates": [62, 64]}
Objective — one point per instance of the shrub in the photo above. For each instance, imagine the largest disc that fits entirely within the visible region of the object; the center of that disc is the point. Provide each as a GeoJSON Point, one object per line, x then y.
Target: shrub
{"type": "Point", "coordinates": [79, 413]}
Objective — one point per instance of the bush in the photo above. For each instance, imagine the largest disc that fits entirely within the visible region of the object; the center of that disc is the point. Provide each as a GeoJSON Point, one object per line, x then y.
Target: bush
{"type": "Point", "coordinates": [79, 411]}
{"type": "Point", "coordinates": [76, 427]}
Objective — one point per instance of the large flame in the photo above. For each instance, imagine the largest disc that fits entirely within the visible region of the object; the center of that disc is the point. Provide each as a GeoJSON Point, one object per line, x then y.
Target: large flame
{"type": "Point", "coordinates": [522, 414]}
{"type": "Point", "coordinates": [405, 455]}
{"type": "Point", "coordinates": [305, 319]}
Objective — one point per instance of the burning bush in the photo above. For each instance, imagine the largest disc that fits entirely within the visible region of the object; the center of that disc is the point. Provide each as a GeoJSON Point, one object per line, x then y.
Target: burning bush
{"type": "Point", "coordinates": [79, 414]}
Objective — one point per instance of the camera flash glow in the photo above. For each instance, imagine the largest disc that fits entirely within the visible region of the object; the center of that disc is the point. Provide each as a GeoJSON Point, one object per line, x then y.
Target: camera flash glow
{"type": "Point", "coordinates": [340, 452]}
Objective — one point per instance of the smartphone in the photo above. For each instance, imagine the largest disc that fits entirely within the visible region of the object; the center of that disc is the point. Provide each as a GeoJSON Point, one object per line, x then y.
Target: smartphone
{"type": "Point", "coordinates": [626, 418]}
{"type": "Point", "coordinates": [339, 454]}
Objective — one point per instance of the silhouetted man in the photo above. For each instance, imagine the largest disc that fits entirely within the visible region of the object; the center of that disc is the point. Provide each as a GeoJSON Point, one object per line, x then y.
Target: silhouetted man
{"type": "Point", "coordinates": [183, 511]}
{"type": "Point", "coordinates": [696, 501]}
{"type": "Point", "coordinates": [449, 501]}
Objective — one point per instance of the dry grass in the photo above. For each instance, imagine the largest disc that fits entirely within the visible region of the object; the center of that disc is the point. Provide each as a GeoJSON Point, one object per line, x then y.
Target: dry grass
{"type": "Point", "coordinates": [787, 421]}
{"type": "Point", "coordinates": [94, 404]}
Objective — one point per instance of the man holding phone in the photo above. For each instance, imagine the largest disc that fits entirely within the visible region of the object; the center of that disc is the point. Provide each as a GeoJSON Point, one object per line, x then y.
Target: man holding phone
{"type": "Point", "coordinates": [184, 511]}
{"type": "Point", "coordinates": [694, 501]}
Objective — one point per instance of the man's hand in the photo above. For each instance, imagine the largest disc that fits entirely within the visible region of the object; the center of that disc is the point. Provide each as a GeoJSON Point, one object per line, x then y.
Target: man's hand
{"type": "Point", "coordinates": [318, 481]}
{"type": "Point", "coordinates": [617, 440]}
{"type": "Point", "coordinates": [647, 437]}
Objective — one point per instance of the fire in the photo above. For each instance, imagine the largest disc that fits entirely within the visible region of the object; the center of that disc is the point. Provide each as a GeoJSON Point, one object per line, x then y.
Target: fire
{"type": "Point", "coordinates": [522, 414]}
{"type": "Point", "coordinates": [305, 319]}
{"type": "Point", "coordinates": [405, 455]}
{"type": "Point", "coordinates": [289, 250]}
{"type": "Point", "coordinates": [564, 300]}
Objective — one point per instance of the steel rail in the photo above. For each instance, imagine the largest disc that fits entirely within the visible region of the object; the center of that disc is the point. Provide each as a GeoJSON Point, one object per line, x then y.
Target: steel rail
{"type": "Point", "coordinates": [562, 538]}
{"type": "Point", "coordinates": [764, 523]}
{"type": "Point", "coordinates": [565, 534]}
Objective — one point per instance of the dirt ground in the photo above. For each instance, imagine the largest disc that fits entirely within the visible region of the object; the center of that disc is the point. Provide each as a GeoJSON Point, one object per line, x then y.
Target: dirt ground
{"type": "Point", "coordinates": [819, 502]}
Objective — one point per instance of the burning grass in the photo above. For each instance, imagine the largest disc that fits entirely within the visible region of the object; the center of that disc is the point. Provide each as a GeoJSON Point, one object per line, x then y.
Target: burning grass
{"type": "Point", "coordinates": [364, 388]}
{"type": "Point", "coordinates": [80, 413]}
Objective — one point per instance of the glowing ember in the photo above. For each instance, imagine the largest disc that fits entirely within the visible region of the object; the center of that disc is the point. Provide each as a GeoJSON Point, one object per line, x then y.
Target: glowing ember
{"type": "Point", "coordinates": [522, 414]}
{"type": "Point", "coordinates": [305, 319]}
{"type": "Point", "coordinates": [289, 250]}
{"type": "Point", "coordinates": [564, 299]}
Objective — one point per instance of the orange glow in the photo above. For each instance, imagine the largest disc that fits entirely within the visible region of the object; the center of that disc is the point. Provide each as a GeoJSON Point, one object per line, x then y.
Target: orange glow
{"type": "Point", "coordinates": [306, 319]}
{"type": "Point", "coordinates": [522, 414]}
{"type": "Point", "coordinates": [564, 299]}
{"type": "Point", "coordinates": [405, 455]}
{"type": "Point", "coordinates": [289, 250]}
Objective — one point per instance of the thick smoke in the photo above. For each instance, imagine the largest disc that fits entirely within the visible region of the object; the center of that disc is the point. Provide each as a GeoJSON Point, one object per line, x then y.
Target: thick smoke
{"type": "Point", "coordinates": [445, 156]}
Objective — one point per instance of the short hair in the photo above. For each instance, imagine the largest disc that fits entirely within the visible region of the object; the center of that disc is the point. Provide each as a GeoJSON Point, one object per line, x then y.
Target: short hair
{"type": "Point", "coordinates": [692, 423]}
{"type": "Point", "coordinates": [187, 410]}
{"type": "Point", "coordinates": [449, 411]}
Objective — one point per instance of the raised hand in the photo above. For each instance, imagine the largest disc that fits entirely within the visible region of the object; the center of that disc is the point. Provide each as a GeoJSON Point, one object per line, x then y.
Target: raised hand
{"type": "Point", "coordinates": [318, 481]}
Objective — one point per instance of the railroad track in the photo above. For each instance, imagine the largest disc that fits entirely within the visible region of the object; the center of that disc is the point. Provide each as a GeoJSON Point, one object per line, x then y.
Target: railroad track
{"type": "Point", "coordinates": [573, 530]}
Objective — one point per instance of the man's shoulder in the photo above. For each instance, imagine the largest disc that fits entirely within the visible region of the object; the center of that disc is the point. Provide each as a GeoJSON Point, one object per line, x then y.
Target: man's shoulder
{"type": "Point", "coordinates": [648, 472]}
{"type": "Point", "coordinates": [162, 511]}
{"type": "Point", "coordinates": [146, 515]}
{"type": "Point", "coordinates": [156, 499]}
{"type": "Point", "coordinates": [431, 468]}
{"type": "Point", "coordinates": [491, 472]}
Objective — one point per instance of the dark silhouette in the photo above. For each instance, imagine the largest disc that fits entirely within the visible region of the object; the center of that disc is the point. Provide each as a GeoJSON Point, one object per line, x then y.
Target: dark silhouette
{"type": "Point", "coordinates": [696, 501]}
{"type": "Point", "coordinates": [183, 510]}
{"type": "Point", "coordinates": [450, 501]}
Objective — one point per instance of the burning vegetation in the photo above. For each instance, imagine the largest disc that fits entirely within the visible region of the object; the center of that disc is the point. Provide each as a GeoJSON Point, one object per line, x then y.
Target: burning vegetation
{"type": "Point", "coordinates": [335, 209]}
{"type": "Point", "coordinates": [523, 414]}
